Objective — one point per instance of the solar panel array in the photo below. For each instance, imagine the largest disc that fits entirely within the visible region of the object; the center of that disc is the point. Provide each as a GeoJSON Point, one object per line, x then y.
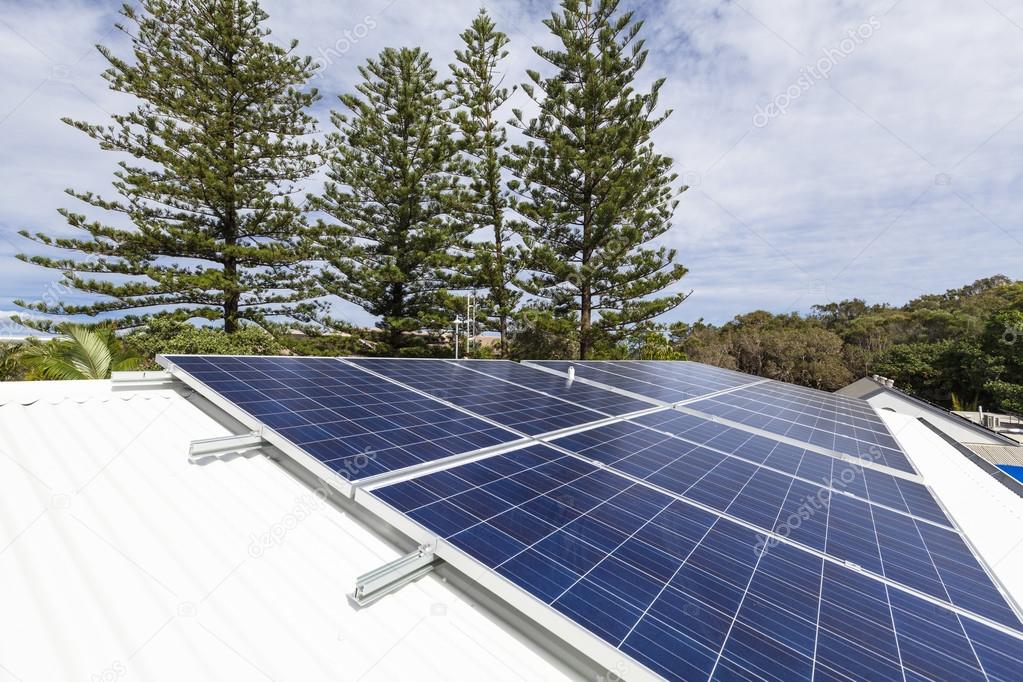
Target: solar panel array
{"type": "Point", "coordinates": [687, 592]}
{"type": "Point", "coordinates": [760, 546]}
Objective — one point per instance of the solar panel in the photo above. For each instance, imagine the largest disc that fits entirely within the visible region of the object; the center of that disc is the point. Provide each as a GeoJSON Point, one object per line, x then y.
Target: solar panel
{"type": "Point", "coordinates": [599, 399]}
{"type": "Point", "coordinates": [835, 422]}
{"type": "Point", "coordinates": [522, 409]}
{"type": "Point", "coordinates": [838, 423]}
{"type": "Point", "coordinates": [357, 424]}
{"type": "Point", "coordinates": [918, 554]}
{"type": "Point", "coordinates": [699, 548]}
{"type": "Point", "coordinates": [669, 382]}
{"type": "Point", "coordinates": [873, 485]}
{"type": "Point", "coordinates": [686, 592]}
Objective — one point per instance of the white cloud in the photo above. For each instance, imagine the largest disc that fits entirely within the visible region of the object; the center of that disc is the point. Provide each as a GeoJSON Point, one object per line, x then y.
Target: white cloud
{"type": "Point", "coordinates": [898, 174]}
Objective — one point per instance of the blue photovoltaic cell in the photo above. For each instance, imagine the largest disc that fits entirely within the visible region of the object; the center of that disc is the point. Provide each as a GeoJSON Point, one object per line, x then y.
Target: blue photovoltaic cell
{"type": "Point", "coordinates": [357, 424]}
{"type": "Point", "coordinates": [515, 407]}
{"type": "Point", "coordinates": [889, 544]}
{"type": "Point", "coordinates": [684, 591]}
{"type": "Point", "coordinates": [876, 486]}
{"type": "Point", "coordinates": [599, 399]}
{"type": "Point", "coordinates": [666, 381]}
{"type": "Point", "coordinates": [839, 423]}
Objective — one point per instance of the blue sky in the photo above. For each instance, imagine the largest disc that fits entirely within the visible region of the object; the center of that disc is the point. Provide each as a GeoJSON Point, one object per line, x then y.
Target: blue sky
{"type": "Point", "coordinates": [833, 148]}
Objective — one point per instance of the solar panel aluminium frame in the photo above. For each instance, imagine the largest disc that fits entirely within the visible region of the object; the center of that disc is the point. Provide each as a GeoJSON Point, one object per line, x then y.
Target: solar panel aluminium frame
{"type": "Point", "coordinates": [295, 452]}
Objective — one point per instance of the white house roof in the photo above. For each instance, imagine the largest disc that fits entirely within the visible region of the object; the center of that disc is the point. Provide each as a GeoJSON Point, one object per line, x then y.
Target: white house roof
{"type": "Point", "coordinates": [118, 558]}
{"type": "Point", "coordinates": [964, 430]}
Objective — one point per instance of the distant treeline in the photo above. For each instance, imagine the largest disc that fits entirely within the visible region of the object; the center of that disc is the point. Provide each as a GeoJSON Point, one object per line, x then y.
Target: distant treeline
{"type": "Point", "coordinates": [958, 349]}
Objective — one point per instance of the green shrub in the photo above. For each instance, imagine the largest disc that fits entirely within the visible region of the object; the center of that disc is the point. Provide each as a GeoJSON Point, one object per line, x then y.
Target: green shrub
{"type": "Point", "coordinates": [165, 336]}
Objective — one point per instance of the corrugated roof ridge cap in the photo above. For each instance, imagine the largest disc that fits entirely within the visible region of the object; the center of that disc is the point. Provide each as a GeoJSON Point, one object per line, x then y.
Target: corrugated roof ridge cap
{"type": "Point", "coordinates": [27, 393]}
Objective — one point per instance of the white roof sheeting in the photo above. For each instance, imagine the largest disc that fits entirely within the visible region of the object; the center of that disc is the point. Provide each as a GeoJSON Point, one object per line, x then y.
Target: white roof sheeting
{"type": "Point", "coordinates": [118, 558]}
{"type": "Point", "coordinates": [989, 514]}
{"type": "Point", "coordinates": [883, 397]}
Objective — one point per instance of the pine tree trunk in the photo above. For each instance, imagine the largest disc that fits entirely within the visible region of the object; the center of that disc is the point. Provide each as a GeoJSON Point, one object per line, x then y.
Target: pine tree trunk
{"type": "Point", "coordinates": [231, 293]}
{"type": "Point", "coordinates": [501, 294]}
{"type": "Point", "coordinates": [396, 335]}
{"type": "Point", "coordinates": [504, 336]}
{"type": "Point", "coordinates": [584, 324]}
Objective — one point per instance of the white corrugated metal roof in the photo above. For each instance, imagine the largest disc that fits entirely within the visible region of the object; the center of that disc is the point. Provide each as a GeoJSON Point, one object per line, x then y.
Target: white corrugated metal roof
{"type": "Point", "coordinates": [883, 397]}
{"type": "Point", "coordinates": [989, 514]}
{"type": "Point", "coordinates": [118, 558]}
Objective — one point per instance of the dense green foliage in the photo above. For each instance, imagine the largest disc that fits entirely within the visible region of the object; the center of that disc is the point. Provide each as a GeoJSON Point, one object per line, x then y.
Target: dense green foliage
{"type": "Point", "coordinates": [590, 188]}
{"type": "Point", "coordinates": [12, 365]}
{"type": "Point", "coordinates": [216, 147]}
{"type": "Point", "coordinates": [963, 347]}
{"type": "Point", "coordinates": [393, 197]}
{"type": "Point", "coordinates": [166, 336]}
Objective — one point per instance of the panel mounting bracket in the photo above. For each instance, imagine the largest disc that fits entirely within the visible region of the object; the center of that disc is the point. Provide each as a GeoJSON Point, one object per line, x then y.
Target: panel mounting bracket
{"type": "Point", "coordinates": [138, 381]}
{"type": "Point", "coordinates": [393, 575]}
{"type": "Point", "coordinates": [212, 448]}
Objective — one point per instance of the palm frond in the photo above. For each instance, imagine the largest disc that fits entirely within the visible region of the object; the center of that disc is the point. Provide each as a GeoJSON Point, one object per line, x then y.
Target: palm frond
{"type": "Point", "coordinates": [85, 353]}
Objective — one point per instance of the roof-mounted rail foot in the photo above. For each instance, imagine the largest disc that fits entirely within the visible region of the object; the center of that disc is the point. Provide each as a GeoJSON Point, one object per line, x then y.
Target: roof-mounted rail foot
{"type": "Point", "coordinates": [213, 448]}
{"type": "Point", "coordinates": [393, 576]}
